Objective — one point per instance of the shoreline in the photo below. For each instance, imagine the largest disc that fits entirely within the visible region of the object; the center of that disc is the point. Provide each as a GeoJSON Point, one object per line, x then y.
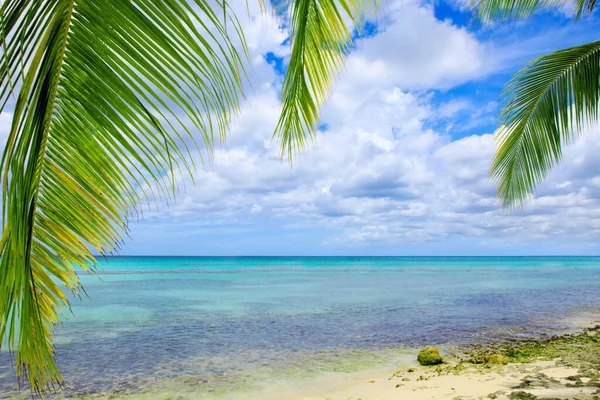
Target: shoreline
{"type": "Point", "coordinates": [564, 366]}
{"type": "Point", "coordinates": [552, 366]}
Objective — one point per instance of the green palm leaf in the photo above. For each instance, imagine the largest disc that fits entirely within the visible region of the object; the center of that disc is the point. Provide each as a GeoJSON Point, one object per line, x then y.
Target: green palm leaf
{"type": "Point", "coordinates": [103, 86]}
{"type": "Point", "coordinates": [104, 89]}
{"type": "Point", "coordinates": [320, 40]}
{"type": "Point", "coordinates": [492, 10]}
{"type": "Point", "coordinates": [549, 101]}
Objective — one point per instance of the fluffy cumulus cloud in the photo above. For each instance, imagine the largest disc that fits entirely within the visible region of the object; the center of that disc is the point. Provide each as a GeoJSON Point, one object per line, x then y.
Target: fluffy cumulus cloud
{"type": "Point", "coordinates": [388, 170]}
{"type": "Point", "coordinates": [415, 50]}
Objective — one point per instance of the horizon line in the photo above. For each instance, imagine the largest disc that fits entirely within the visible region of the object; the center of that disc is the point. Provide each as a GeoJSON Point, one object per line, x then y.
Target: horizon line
{"type": "Point", "coordinates": [343, 256]}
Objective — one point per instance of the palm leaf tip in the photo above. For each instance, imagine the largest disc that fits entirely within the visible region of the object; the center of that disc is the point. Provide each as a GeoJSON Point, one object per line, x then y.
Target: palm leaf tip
{"type": "Point", "coordinates": [320, 39]}
{"type": "Point", "coordinates": [548, 102]}
{"type": "Point", "coordinates": [102, 85]}
{"type": "Point", "coordinates": [507, 10]}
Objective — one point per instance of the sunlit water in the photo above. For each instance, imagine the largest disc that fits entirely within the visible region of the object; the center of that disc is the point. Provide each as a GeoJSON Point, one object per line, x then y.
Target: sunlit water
{"type": "Point", "coordinates": [219, 323]}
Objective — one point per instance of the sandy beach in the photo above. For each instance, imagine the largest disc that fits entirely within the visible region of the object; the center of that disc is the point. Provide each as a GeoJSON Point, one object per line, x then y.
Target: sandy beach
{"type": "Point", "coordinates": [548, 380]}
{"type": "Point", "coordinates": [572, 372]}
{"type": "Point", "coordinates": [568, 376]}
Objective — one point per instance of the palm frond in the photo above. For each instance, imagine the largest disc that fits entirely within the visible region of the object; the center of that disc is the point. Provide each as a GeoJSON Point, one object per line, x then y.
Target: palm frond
{"type": "Point", "coordinates": [582, 7]}
{"type": "Point", "coordinates": [320, 39]}
{"type": "Point", "coordinates": [102, 88]}
{"type": "Point", "coordinates": [504, 10]}
{"type": "Point", "coordinates": [548, 102]}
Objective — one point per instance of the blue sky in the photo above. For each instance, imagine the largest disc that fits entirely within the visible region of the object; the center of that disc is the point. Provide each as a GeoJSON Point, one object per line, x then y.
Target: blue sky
{"type": "Point", "coordinates": [400, 164]}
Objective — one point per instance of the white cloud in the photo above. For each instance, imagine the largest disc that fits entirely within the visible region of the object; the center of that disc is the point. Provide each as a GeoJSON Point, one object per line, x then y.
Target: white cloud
{"type": "Point", "coordinates": [414, 50]}
{"type": "Point", "coordinates": [368, 187]}
{"type": "Point", "coordinates": [379, 173]}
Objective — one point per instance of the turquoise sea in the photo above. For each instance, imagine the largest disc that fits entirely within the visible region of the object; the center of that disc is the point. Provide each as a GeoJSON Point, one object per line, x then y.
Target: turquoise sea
{"type": "Point", "coordinates": [224, 324]}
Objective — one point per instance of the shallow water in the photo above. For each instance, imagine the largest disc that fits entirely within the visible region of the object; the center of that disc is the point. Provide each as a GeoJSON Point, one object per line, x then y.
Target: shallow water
{"type": "Point", "coordinates": [219, 323]}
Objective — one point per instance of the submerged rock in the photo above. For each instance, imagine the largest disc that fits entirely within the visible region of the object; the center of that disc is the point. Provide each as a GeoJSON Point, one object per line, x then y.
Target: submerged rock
{"type": "Point", "coordinates": [429, 356]}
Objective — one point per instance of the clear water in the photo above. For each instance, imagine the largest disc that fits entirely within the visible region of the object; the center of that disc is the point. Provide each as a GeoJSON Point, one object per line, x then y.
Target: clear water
{"type": "Point", "coordinates": [217, 321]}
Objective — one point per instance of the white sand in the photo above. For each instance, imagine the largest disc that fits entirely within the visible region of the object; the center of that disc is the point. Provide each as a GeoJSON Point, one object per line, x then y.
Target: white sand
{"type": "Point", "coordinates": [472, 383]}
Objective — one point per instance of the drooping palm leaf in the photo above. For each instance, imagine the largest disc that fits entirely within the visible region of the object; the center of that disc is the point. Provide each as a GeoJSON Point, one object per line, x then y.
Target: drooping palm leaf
{"type": "Point", "coordinates": [548, 102]}
{"type": "Point", "coordinates": [102, 89]}
{"type": "Point", "coordinates": [320, 39]}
